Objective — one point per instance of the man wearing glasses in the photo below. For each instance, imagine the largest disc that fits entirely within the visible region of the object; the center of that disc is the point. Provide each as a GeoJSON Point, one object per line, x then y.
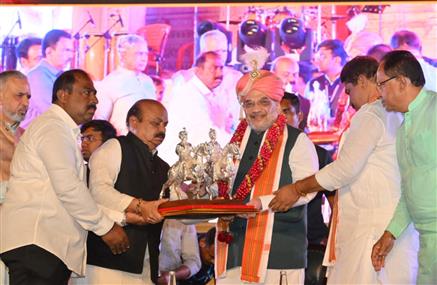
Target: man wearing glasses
{"type": "Point", "coordinates": [367, 177]}
{"type": "Point", "coordinates": [401, 81]}
{"type": "Point", "coordinates": [94, 134]}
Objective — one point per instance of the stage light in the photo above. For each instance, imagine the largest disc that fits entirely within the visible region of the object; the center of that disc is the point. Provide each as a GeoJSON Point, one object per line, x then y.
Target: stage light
{"type": "Point", "coordinates": [292, 33]}
{"type": "Point", "coordinates": [253, 33]}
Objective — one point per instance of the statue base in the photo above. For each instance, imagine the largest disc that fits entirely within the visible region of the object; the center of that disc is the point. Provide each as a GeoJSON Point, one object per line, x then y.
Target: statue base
{"type": "Point", "coordinates": [204, 209]}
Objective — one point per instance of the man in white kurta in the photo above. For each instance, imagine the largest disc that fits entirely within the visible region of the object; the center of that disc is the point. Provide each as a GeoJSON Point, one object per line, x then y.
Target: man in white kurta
{"type": "Point", "coordinates": [367, 177]}
{"type": "Point", "coordinates": [206, 100]}
{"type": "Point", "coordinates": [48, 208]}
{"type": "Point", "coordinates": [118, 91]}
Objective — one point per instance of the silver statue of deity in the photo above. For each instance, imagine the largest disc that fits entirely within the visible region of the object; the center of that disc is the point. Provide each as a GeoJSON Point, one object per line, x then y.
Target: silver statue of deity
{"type": "Point", "coordinates": [198, 169]}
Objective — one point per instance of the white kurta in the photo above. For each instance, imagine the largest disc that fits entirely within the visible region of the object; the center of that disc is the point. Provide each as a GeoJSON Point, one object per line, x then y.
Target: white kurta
{"type": "Point", "coordinates": [193, 106]}
{"type": "Point", "coordinates": [117, 92]}
{"type": "Point", "coordinates": [48, 203]}
{"type": "Point", "coordinates": [367, 176]}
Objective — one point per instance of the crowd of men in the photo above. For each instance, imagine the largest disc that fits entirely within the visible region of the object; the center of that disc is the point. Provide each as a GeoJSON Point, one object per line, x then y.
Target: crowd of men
{"type": "Point", "coordinates": [99, 221]}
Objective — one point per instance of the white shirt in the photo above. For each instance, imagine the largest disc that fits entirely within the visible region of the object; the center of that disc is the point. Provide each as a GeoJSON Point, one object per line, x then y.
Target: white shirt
{"type": "Point", "coordinates": [430, 73]}
{"type": "Point", "coordinates": [194, 106]}
{"type": "Point", "coordinates": [117, 92]}
{"type": "Point", "coordinates": [179, 246]}
{"type": "Point", "coordinates": [48, 203]}
{"type": "Point", "coordinates": [367, 176]}
{"type": "Point", "coordinates": [303, 162]}
{"type": "Point", "coordinates": [104, 174]}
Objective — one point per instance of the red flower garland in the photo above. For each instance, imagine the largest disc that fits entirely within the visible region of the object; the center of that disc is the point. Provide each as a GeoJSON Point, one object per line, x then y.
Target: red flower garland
{"type": "Point", "coordinates": [261, 161]}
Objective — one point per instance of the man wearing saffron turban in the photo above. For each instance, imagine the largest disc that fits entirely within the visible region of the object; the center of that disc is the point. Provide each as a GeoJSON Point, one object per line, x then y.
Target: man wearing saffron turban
{"type": "Point", "coordinates": [268, 245]}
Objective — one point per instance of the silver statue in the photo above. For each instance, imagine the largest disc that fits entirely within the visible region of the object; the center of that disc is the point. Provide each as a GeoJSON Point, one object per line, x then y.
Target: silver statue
{"type": "Point", "coordinates": [201, 167]}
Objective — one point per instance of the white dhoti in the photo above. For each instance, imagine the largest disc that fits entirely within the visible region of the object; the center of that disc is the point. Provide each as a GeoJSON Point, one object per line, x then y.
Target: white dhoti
{"type": "Point", "coordinates": [273, 276]}
{"type": "Point", "coordinates": [4, 277]}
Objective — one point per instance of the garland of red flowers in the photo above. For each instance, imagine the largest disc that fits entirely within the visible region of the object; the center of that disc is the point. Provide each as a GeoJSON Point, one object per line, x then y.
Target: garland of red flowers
{"type": "Point", "coordinates": [261, 161]}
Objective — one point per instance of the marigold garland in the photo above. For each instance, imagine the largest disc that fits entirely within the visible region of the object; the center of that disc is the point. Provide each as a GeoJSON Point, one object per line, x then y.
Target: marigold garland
{"type": "Point", "coordinates": [261, 161]}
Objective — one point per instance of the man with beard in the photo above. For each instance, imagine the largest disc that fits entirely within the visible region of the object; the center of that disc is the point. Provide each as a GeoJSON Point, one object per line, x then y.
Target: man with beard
{"type": "Point", "coordinates": [196, 106]}
{"type": "Point", "coordinates": [367, 177]}
{"type": "Point", "coordinates": [48, 209]}
{"type": "Point", "coordinates": [130, 183]}
{"type": "Point", "coordinates": [273, 154]}
{"type": "Point", "coordinates": [14, 101]}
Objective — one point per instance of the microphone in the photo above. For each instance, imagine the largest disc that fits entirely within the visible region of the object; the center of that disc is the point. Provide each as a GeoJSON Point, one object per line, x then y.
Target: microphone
{"type": "Point", "coordinates": [19, 20]}
{"type": "Point", "coordinates": [120, 20]}
{"type": "Point", "coordinates": [90, 18]}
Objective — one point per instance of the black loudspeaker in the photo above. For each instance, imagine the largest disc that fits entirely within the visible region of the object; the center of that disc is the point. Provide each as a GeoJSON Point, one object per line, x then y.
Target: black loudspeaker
{"type": "Point", "coordinates": [8, 56]}
{"type": "Point", "coordinates": [255, 34]}
{"type": "Point", "coordinates": [305, 55]}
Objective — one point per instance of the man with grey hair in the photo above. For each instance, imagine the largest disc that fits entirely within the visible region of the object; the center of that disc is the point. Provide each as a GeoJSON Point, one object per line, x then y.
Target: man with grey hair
{"type": "Point", "coordinates": [14, 101]}
{"type": "Point", "coordinates": [127, 84]}
{"type": "Point", "coordinates": [287, 69]}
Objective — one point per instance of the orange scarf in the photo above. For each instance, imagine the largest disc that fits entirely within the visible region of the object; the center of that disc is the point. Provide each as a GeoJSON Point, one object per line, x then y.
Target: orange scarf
{"type": "Point", "coordinates": [259, 229]}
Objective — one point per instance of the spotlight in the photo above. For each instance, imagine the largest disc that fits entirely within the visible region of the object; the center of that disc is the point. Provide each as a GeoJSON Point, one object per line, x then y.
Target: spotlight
{"type": "Point", "coordinates": [253, 33]}
{"type": "Point", "coordinates": [292, 33]}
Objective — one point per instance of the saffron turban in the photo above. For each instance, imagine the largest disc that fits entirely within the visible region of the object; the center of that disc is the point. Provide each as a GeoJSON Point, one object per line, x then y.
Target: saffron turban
{"type": "Point", "coordinates": [265, 82]}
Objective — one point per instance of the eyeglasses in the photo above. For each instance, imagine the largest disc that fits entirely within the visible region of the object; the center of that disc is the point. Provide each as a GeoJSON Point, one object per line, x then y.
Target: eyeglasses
{"type": "Point", "coordinates": [264, 102]}
{"type": "Point", "coordinates": [89, 138]}
{"type": "Point", "coordinates": [381, 84]}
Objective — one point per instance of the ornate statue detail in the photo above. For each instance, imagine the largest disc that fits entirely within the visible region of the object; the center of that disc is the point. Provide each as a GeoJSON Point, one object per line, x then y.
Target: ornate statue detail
{"type": "Point", "coordinates": [202, 167]}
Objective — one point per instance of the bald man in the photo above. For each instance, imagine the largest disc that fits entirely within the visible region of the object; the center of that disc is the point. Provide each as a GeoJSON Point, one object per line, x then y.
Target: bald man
{"type": "Point", "coordinates": [130, 183]}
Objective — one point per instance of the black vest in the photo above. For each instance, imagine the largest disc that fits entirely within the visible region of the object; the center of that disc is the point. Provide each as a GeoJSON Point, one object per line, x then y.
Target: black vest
{"type": "Point", "coordinates": [289, 242]}
{"type": "Point", "coordinates": [141, 175]}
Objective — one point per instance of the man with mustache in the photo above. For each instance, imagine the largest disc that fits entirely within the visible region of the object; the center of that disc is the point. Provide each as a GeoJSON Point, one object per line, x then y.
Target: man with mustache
{"type": "Point", "coordinates": [14, 101]}
{"type": "Point", "coordinates": [273, 154]}
{"type": "Point", "coordinates": [367, 177]}
{"type": "Point", "coordinates": [129, 183]}
{"type": "Point", "coordinates": [48, 209]}
{"type": "Point", "coordinates": [198, 104]}
{"type": "Point", "coordinates": [401, 82]}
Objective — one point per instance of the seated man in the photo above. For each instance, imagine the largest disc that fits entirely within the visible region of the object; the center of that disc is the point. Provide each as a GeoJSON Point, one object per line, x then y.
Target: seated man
{"type": "Point", "coordinates": [179, 251]}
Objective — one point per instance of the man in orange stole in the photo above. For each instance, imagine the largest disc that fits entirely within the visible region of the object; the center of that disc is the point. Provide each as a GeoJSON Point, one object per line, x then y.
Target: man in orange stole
{"type": "Point", "coordinates": [259, 249]}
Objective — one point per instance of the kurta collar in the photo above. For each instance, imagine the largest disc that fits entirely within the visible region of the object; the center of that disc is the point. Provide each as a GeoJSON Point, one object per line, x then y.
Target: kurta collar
{"type": "Point", "coordinates": [200, 85]}
{"type": "Point", "coordinates": [53, 70]}
{"type": "Point", "coordinates": [417, 101]}
{"type": "Point", "coordinates": [65, 117]}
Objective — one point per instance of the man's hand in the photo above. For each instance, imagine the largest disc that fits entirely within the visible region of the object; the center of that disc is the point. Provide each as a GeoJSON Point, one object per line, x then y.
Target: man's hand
{"type": "Point", "coordinates": [163, 278]}
{"type": "Point", "coordinates": [116, 239]}
{"type": "Point", "coordinates": [133, 218]}
{"type": "Point", "coordinates": [149, 211]}
{"type": "Point", "coordinates": [285, 197]}
{"type": "Point", "coordinates": [381, 249]}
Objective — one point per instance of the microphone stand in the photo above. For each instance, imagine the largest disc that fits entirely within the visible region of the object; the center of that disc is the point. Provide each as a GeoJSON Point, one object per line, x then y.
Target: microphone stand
{"type": "Point", "coordinates": [9, 60]}
{"type": "Point", "coordinates": [107, 36]}
{"type": "Point", "coordinates": [76, 38]}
